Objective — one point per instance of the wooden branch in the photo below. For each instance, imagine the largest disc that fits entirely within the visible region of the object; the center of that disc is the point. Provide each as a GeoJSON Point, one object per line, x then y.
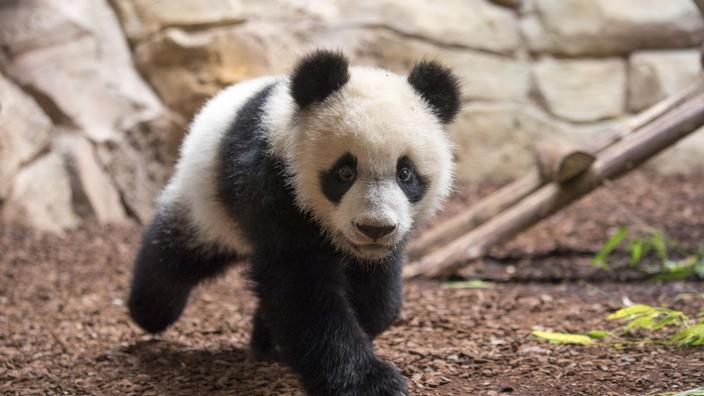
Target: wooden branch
{"type": "Point", "coordinates": [516, 191]}
{"type": "Point", "coordinates": [612, 163]}
{"type": "Point", "coordinates": [475, 216]}
{"type": "Point", "coordinates": [559, 160]}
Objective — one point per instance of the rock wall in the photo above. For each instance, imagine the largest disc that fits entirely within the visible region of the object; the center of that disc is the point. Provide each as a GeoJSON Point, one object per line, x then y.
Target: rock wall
{"type": "Point", "coordinates": [94, 94]}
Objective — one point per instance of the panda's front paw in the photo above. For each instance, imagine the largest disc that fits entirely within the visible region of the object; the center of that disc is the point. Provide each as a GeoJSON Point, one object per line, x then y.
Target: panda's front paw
{"type": "Point", "coordinates": [382, 379]}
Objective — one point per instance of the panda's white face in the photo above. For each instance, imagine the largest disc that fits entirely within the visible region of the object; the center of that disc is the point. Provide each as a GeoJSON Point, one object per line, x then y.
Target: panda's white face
{"type": "Point", "coordinates": [370, 162]}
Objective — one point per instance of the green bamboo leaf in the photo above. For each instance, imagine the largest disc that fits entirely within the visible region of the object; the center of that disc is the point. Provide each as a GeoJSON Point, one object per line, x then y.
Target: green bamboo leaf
{"type": "Point", "coordinates": [691, 336]}
{"type": "Point", "coordinates": [609, 247]}
{"type": "Point", "coordinates": [633, 310]}
{"type": "Point", "coordinates": [469, 284]}
{"type": "Point", "coordinates": [690, 392]}
{"type": "Point", "coordinates": [660, 245]}
{"type": "Point", "coordinates": [563, 338]}
{"type": "Point", "coordinates": [597, 334]}
{"type": "Point", "coordinates": [638, 249]}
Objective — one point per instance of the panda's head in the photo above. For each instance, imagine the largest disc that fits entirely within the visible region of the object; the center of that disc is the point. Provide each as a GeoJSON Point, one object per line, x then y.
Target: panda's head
{"type": "Point", "coordinates": [369, 155]}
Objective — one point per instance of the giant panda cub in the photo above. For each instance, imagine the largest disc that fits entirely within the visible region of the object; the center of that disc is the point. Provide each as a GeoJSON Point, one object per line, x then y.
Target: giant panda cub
{"type": "Point", "coordinates": [317, 178]}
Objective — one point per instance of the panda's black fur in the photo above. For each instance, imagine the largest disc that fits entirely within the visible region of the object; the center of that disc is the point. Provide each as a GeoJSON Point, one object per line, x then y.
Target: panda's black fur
{"type": "Point", "coordinates": [319, 308]}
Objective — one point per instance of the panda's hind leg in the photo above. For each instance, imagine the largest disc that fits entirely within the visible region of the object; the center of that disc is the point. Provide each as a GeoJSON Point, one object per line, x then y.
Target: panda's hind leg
{"type": "Point", "coordinates": [168, 265]}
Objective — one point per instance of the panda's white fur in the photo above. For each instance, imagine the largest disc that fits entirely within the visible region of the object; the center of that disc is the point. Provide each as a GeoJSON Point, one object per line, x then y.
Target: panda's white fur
{"type": "Point", "coordinates": [194, 182]}
{"type": "Point", "coordinates": [377, 116]}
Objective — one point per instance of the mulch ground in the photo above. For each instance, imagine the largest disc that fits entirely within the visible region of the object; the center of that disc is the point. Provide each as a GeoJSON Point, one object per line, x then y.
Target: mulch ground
{"type": "Point", "coordinates": [64, 328]}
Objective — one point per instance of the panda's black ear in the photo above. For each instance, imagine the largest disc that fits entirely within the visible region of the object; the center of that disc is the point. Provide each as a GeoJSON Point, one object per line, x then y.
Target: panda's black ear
{"type": "Point", "coordinates": [317, 76]}
{"type": "Point", "coordinates": [439, 87]}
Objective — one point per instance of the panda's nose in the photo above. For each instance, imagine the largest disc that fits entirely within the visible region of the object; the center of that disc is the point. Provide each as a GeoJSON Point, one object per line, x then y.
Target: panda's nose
{"type": "Point", "coordinates": [374, 231]}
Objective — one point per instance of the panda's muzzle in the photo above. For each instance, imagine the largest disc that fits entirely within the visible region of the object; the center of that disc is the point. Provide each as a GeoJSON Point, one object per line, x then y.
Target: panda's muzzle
{"type": "Point", "coordinates": [375, 232]}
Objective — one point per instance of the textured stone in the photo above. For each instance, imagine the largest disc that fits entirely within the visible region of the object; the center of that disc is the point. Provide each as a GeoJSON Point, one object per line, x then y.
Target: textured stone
{"type": "Point", "coordinates": [41, 197]}
{"type": "Point", "coordinates": [602, 27]}
{"type": "Point", "coordinates": [73, 55]}
{"type": "Point", "coordinates": [495, 141]}
{"type": "Point", "coordinates": [582, 90]}
{"type": "Point", "coordinates": [483, 76]}
{"type": "Point", "coordinates": [534, 34]}
{"type": "Point", "coordinates": [136, 163]}
{"type": "Point", "coordinates": [143, 17]}
{"type": "Point", "coordinates": [467, 23]}
{"type": "Point", "coordinates": [655, 75]}
{"type": "Point", "coordinates": [186, 68]}
{"type": "Point", "coordinates": [24, 131]}
{"type": "Point", "coordinates": [94, 195]}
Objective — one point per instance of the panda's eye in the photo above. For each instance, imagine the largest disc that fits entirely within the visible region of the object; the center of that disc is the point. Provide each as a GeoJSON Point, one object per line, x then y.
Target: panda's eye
{"type": "Point", "coordinates": [404, 174]}
{"type": "Point", "coordinates": [346, 173]}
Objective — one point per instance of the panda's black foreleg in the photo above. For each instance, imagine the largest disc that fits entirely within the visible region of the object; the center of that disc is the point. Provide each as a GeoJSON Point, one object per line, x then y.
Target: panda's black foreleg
{"type": "Point", "coordinates": [261, 343]}
{"type": "Point", "coordinates": [168, 265]}
{"type": "Point", "coordinates": [315, 328]}
{"type": "Point", "coordinates": [375, 293]}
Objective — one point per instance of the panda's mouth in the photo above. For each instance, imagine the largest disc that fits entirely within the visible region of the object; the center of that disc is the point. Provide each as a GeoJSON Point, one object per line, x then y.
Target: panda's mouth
{"type": "Point", "coordinates": [374, 250]}
{"type": "Point", "coordinates": [372, 246]}
{"type": "Point", "coordinates": [366, 251]}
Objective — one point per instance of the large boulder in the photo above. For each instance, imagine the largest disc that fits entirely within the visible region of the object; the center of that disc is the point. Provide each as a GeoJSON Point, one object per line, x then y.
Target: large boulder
{"type": "Point", "coordinates": [136, 163]}
{"type": "Point", "coordinates": [484, 76]}
{"type": "Point", "coordinates": [73, 54]}
{"type": "Point", "coordinates": [655, 75]}
{"type": "Point", "coordinates": [582, 90]}
{"type": "Point", "coordinates": [475, 24]}
{"type": "Point", "coordinates": [186, 68]}
{"type": "Point", "coordinates": [609, 27]}
{"type": "Point", "coordinates": [24, 132]}
{"type": "Point", "coordinates": [73, 59]}
{"type": "Point", "coordinates": [495, 141]}
{"type": "Point", "coordinates": [142, 18]}
{"type": "Point", "coordinates": [95, 197]}
{"type": "Point", "coordinates": [41, 197]}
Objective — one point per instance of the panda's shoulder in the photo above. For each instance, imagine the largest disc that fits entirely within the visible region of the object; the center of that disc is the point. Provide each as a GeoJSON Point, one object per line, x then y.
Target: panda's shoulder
{"type": "Point", "coordinates": [228, 102]}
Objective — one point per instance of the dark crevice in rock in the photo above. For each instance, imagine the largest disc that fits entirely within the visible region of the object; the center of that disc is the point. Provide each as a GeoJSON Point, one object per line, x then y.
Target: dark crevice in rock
{"type": "Point", "coordinates": [47, 104]}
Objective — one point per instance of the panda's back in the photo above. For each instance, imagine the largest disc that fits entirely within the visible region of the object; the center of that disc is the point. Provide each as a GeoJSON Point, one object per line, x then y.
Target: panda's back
{"type": "Point", "coordinates": [193, 191]}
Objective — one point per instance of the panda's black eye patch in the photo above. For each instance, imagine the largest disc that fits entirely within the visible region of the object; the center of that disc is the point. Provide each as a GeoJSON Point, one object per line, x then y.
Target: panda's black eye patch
{"type": "Point", "coordinates": [339, 178]}
{"type": "Point", "coordinates": [412, 184]}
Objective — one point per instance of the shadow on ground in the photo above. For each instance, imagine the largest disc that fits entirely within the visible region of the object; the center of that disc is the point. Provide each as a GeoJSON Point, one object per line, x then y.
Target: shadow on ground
{"type": "Point", "coordinates": [172, 368]}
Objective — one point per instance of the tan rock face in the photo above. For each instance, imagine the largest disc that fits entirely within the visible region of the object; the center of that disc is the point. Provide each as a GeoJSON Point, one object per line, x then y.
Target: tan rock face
{"type": "Point", "coordinates": [495, 141]}
{"type": "Point", "coordinates": [655, 75]}
{"type": "Point", "coordinates": [582, 90]}
{"type": "Point", "coordinates": [94, 195]}
{"type": "Point", "coordinates": [467, 23]}
{"type": "Point", "coordinates": [24, 132]}
{"type": "Point", "coordinates": [41, 197]}
{"type": "Point", "coordinates": [73, 59]}
{"type": "Point", "coordinates": [137, 164]}
{"type": "Point", "coordinates": [187, 68]}
{"type": "Point", "coordinates": [604, 27]}
{"type": "Point", "coordinates": [92, 59]}
{"type": "Point", "coordinates": [144, 17]}
{"type": "Point", "coordinates": [483, 76]}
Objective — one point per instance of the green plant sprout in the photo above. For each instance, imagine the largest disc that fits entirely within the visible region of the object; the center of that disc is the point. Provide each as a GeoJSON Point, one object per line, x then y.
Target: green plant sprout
{"type": "Point", "coordinates": [639, 247]}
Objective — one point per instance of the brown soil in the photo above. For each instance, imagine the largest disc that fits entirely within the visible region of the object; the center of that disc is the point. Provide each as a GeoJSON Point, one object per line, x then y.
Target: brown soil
{"type": "Point", "coordinates": [64, 328]}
